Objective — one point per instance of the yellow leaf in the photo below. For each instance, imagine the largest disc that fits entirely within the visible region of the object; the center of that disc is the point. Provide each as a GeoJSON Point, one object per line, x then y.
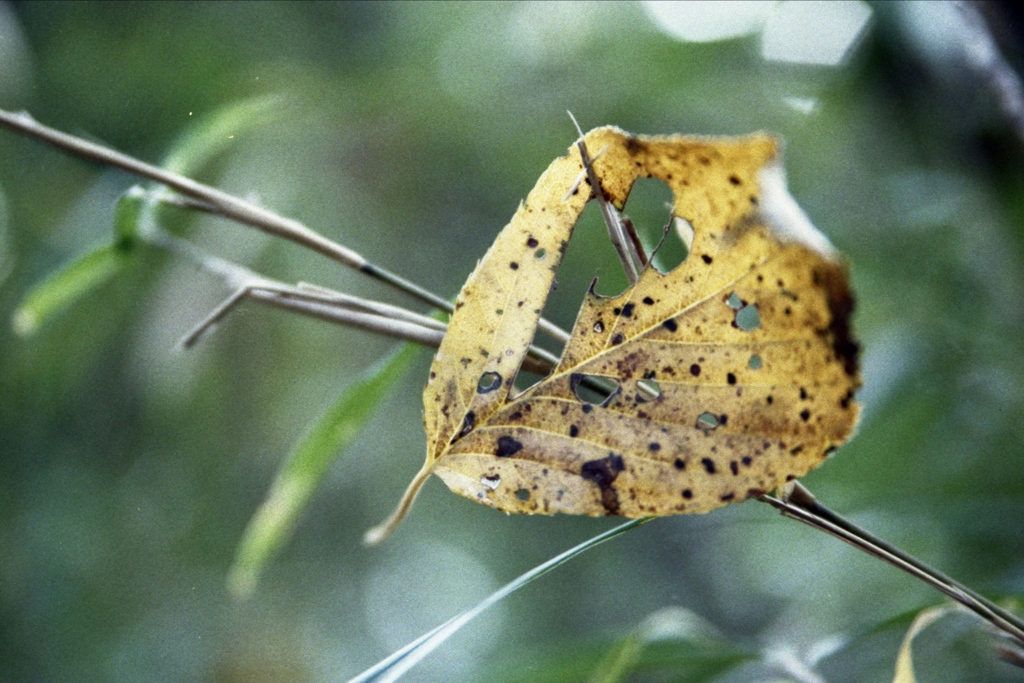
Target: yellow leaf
{"type": "Point", "coordinates": [735, 372]}
{"type": "Point", "coordinates": [904, 661]}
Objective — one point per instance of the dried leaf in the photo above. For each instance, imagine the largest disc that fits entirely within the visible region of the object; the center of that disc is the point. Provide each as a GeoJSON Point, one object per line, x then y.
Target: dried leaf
{"type": "Point", "coordinates": [735, 372]}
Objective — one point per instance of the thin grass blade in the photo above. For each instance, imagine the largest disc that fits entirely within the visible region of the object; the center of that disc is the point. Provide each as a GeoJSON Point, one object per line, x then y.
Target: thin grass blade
{"type": "Point", "coordinates": [216, 132]}
{"type": "Point", "coordinates": [398, 663]}
{"type": "Point", "coordinates": [305, 467]}
{"type": "Point", "coordinates": [66, 286]}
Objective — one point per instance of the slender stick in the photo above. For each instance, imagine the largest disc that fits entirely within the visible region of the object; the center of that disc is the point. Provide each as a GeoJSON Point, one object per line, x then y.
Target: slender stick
{"type": "Point", "coordinates": [617, 232]}
{"type": "Point", "coordinates": [223, 204]}
{"type": "Point", "coordinates": [799, 504]}
{"type": "Point", "coordinates": [344, 309]}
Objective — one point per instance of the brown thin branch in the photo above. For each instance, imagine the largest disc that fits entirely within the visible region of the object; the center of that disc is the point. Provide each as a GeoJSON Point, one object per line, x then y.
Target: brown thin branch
{"type": "Point", "coordinates": [801, 505]}
{"type": "Point", "coordinates": [228, 206]}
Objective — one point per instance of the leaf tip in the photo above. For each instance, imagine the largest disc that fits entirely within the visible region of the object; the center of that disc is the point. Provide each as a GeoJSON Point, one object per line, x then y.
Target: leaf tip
{"type": "Point", "coordinates": [378, 533]}
{"type": "Point", "coordinates": [24, 322]}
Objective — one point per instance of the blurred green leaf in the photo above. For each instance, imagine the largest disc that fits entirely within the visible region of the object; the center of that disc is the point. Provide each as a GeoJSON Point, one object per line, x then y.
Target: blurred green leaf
{"type": "Point", "coordinates": [216, 132]}
{"type": "Point", "coordinates": [392, 667]}
{"type": "Point", "coordinates": [678, 661]}
{"type": "Point", "coordinates": [673, 642]}
{"type": "Point", "coordinates": [66, 286]}
{"type": "Point", "coordinates": [305, 467]}
{"type": "Point", "coordinates": [674, 639]}
{"type": "Point", "coordinates": [127, 215]}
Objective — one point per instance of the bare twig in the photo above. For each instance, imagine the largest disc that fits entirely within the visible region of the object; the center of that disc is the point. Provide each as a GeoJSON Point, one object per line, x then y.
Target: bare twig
{"type": "Point", "coordinates": [799, 504]}
{"type": "Point", "coordinates": [617, 231]}
{"type": "Point", "coordinates": [318, 302]}
{"type": "Point", "coordinates": [223, 204]}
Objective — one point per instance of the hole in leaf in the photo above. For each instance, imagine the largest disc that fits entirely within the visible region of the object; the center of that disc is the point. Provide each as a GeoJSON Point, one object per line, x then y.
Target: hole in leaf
{"type": "Point", "coordinates": [747, 318]}
{"type": "Point", "coordinates": [489, 381]}
{"type": "Point", "coordinates": [492, 482]}
{"type": "Point", "coordinates": [734, 301]}
{"type": "Point", "coordinates": [755, 362]}
{"type": "Point", "coordinates": [684, 230]}
{"type": "Point", "coordinates": [540, 253]}
{"type": "Point", "coordinates": [523, 494]}
{"type": "Point", "coordinates": [649, 207]}
{"type": "Point", "coordinates": [707, 421]}
{"type": "Point", "coordinates": [593, 389]}
{"type": "Point", "coordinates": [648, 390]}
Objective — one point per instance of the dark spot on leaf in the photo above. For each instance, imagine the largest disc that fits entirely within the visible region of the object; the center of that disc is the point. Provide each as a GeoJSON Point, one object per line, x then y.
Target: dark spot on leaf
{"type": "Point", "coordinates": [654, 446]}
{"type": "Point", "coordinates": [616, 310]}
{"type": "Point", "coordinates": [770, 399]}
{"type": "Point", "coordinates": [746, 460]}
{"type": "Point", "coordinates": [730, 378]}
{"type": "Point", "coordinates": [531, 243]}
{"type": "Point", "coordinates": [649, 301]}
{"type": "Point", "coordinates": [574, 431]}
{"type": "Point", "coordinates": [508, 446]}
{"type": "Point", "coordinates": [705, 258]}
{"type": "Point", "coordinates": [687, 494]}
{"type": "Point", "coordinates": [634, 146]}
{"type": "Point", "coordinates": [587, 407]}
{"type": "Point", "coordinates": [709, 465]}
{"type": "Point", "coordinates": [803, 394]}
{"type": "Point", "coordinates": [514, 265]}
{"type": "Point", "coordinates": [518, 415]}
{"type": "Point", "coordinates": [603, 473]}
{"type": "Point", "coordinates": [805, 415]}
{"type": "Point", "coordinates": [679, 464]}
{"type": "Point", "coordinates": [670, 325]}
{"type": "Point", "coordinates": [627, 311]}
{"type": "Point", "coordinates": [734, 467]}
{"type": "Point", "coordinates": [695, 370]}
{"type": "Point", "coordinates": [727, 497]}
{"type": "Point", "coordinates": [796, 450]}
{"type": "Point", "coordinates": [468, 423]}
{"type": "Point", "coordinates": [617, 339]}
{"type": "Point", "coordinates": [735, 180]}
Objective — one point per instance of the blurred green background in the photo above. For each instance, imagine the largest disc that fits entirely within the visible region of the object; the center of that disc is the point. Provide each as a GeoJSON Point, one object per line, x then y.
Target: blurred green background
{"type": "Point", "coordinates": [409, 132]}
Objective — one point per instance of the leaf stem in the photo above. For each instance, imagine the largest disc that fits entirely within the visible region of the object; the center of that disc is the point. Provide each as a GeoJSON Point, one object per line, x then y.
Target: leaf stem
{"type": "Point", "coordinates": [798, 503]}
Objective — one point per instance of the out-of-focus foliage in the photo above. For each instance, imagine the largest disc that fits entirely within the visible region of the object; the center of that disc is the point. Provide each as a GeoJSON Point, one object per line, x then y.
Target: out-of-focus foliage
{"type": "Point", "coordinates": [409, 132]}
